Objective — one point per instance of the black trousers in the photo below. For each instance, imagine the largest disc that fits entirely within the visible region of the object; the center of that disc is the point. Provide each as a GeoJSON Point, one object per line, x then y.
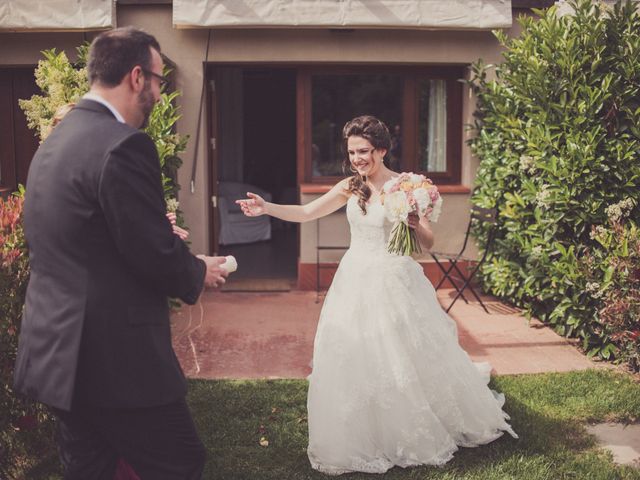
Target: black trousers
{"type": "Point", "coordinates": [160, 443]}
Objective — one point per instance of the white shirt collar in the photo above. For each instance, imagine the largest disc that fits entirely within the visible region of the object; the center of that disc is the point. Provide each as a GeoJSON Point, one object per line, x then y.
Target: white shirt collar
{"type": "Point", "coordinates": [97, 98]}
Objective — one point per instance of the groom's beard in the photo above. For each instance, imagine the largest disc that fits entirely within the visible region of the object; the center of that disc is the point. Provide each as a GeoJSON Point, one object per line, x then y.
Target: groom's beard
{"type": "Point", "coordinates": [146, 103]}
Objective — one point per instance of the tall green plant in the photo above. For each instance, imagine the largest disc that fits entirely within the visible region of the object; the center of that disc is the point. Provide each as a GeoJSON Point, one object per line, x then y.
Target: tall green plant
{"type": "Point", "coordinates": [62, 83]}
{"type": "Point", "coordinates": [558, 137]}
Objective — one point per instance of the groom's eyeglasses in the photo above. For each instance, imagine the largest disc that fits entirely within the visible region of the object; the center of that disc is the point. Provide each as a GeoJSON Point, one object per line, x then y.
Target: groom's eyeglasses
{"type": "Point", "coordinates": [162, 79]}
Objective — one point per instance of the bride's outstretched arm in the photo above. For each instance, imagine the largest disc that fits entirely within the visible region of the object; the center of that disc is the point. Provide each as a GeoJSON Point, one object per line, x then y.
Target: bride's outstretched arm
{"type": "Point", "coordinates": [335, 198]}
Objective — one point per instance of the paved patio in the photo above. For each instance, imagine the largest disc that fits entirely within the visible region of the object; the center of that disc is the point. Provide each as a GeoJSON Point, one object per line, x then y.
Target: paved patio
{"type": "Point", "coordinates": [270, 335]}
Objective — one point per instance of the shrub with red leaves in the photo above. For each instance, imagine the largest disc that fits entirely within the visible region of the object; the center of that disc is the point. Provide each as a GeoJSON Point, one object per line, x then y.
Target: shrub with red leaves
{"type": "Point", "coordinates": [614, 274]}
{"type": "Point", "coordinates": [25, 427]}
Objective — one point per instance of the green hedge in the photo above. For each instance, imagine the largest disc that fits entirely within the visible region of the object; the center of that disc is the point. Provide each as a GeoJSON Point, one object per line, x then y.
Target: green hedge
{"type": "Point", "coordinates": [558, 137]}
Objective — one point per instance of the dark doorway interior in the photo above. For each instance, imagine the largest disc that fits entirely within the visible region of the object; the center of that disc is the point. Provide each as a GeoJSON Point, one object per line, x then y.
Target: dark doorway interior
{"type": "Point", "coordinates": [268, 156]}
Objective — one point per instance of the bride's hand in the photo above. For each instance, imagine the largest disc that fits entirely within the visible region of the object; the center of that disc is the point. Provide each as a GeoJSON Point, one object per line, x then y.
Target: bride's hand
{"type": "Point", "coordinates": [413, 220]}
{"type": "Point", "coordinates": [252, 206]}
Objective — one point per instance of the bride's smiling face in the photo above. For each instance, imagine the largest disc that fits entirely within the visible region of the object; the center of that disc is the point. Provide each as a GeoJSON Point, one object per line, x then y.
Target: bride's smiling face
{"type": "Point", "coordinates": [364, 157]}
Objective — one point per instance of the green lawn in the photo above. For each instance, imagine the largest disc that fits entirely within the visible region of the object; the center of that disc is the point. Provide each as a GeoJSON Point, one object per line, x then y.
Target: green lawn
{"type": "Point", "coordinates": [548, 411]}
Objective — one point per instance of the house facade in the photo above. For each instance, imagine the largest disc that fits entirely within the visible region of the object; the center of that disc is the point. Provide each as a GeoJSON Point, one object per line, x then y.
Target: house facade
{"type": "Point", "coordinates": [267, 86]}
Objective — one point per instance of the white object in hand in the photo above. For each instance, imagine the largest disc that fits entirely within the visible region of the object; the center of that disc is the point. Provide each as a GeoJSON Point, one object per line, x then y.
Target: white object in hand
{"type": "Point", "coordinates": [230, 265]}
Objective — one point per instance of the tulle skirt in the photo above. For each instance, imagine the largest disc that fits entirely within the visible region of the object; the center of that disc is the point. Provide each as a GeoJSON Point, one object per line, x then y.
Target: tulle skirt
{"type": "Point", "coordinates": [390, 383]}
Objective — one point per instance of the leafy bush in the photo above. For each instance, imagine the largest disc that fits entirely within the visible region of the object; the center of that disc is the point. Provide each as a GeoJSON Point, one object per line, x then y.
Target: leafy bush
{"type": "Point", "coordinates": [25, 427]}
{"type": "Point", "coordinates": [63, 83]}
{"type": "Point", "coordinates": [558, 137]}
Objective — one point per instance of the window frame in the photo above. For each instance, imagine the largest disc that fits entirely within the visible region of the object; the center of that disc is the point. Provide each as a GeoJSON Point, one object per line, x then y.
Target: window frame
{"type": "Point", "coordinates": [411, 74]}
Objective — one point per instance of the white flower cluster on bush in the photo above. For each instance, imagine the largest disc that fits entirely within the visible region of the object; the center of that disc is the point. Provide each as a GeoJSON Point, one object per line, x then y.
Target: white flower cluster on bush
{"type": "Point", "coordinates": [536, 252]}
{"type": "Point", "coordinates": [172, 205]}
{"type": "Point", "coordinates": [542, 197]}
{"type": "Point", "coordinates": [527, 164]}
{"type": "Point", "coordinates": [620, 210]}
{"type": "Point", "coordinates": [593, 288]}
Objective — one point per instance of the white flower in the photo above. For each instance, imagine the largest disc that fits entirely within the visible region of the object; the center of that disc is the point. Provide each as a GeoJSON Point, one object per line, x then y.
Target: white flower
{"type": "Point", "coordinates": [172, 205]}
{"type": "Point", "coordinates": [397, 207]}
{"type": "Point", "coordinates": [527, 164]}
{"type": "Point", "coordinates": [620, 210]}
{"type": "Point", "coordinates": [542, 196]}
{"type": "Point", "coordinates": [230, 265]}
{"type": "Point", "coordinates": [416, 179]}
{"type": "Point", "coordinates": [536, 251]}
{"type": "Point", "coordinates": [599, 231]}
{"type": "Point", "coordinates": [594, 289]}
{"type": "Point", "coordinates": [592, 286]}
{"type": "Point", "coordinates": [423, 200]}
{"type": "Point", "coordinates": [437, 208]}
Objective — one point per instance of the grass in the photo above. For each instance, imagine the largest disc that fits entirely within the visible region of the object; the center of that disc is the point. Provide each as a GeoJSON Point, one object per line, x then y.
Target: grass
{"type": "Point", "coordinates": [549, 412]}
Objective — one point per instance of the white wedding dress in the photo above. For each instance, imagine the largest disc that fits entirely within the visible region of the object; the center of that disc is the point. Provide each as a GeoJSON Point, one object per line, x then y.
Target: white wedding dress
{"type": "Point", "coordinates": [390, 383]}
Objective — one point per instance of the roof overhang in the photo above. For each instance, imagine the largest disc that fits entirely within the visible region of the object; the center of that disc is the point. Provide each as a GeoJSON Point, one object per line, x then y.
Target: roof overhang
{"type": "Point", "coordinates": [349, 14]}
{"type": "Point", "coordinates": [56, 15]}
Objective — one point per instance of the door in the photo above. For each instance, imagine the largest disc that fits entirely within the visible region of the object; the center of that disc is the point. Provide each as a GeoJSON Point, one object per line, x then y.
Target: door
{"type": "Point", "coordinates": [253, 128]}
{"type": "Point", "coordinates": [212, 146]}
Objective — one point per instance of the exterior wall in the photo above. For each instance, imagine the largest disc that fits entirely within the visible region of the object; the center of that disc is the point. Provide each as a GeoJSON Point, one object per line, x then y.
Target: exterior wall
{"type": "Point", "coordinates": [187, 49]}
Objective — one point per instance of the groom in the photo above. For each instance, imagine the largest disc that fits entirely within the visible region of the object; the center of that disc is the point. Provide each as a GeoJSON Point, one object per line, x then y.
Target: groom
{"type": "Point", "coordinates": [95, 341]}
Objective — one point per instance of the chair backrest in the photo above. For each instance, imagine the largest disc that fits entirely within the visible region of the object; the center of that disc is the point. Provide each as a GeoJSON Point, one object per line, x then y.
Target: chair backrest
{"type": "Point", "coordinates": [478, 214]}
{"type": "Point", "coordinates": [488, 217]}
{"type": "Point", "coordinates": [484, 215]}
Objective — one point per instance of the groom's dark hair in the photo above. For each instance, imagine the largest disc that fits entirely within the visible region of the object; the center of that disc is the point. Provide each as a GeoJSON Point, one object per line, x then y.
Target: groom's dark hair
{"type": "Point", "coordinates": [115, 53]}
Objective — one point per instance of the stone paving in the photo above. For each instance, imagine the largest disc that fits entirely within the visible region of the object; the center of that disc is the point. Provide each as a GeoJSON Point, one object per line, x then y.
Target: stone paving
{"type": "Point", "coordinates": [270, 335]}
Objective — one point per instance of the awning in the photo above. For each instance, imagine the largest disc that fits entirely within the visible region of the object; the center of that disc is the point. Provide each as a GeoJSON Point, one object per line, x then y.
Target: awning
{"type": "Point", "coordinates": [48, 15]}
{"type": "Point", "coordinates": [402, 14]}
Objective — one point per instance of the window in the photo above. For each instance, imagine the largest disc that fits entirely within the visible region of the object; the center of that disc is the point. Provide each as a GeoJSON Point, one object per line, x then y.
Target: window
{"type": "Point", "coordinates": [336, 99]}
{"type": "Point", "coordinates": [420, 105]}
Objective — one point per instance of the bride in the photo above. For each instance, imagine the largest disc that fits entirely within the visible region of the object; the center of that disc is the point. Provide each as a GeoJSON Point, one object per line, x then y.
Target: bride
{"type": "Point", "coordinates": [390, 383]}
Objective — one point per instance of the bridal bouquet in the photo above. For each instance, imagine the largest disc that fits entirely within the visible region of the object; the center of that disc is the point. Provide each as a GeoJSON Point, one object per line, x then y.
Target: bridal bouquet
{"type": "Point", "coordinates": [403, 195]}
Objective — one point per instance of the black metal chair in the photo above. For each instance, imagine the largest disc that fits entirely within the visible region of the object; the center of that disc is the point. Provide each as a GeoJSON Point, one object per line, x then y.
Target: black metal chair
{"type": "Point", "coordinates": [487, 216]}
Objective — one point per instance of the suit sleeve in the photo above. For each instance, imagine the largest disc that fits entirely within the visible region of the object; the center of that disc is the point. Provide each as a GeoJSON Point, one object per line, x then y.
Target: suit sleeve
{"type": "Point", "coordinates": [131, 197]}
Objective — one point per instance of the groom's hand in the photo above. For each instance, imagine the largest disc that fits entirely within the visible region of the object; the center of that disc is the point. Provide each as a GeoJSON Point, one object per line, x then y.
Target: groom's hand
{"type": "Point", "coordinates": [215, 275]}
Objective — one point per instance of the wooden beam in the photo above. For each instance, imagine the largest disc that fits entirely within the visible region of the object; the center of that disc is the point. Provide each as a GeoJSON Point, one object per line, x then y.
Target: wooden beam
{"type": "Point", "coordinates": [532, 3]}
{"type": "Point", "coordinates": [514, 3]}
{"type": "Point", "coordinates": [144, 2]}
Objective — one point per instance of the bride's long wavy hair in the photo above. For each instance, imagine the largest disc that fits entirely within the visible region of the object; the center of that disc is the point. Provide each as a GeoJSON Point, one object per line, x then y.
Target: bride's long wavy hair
{"type": "Point", "coordinates": [377, 134]}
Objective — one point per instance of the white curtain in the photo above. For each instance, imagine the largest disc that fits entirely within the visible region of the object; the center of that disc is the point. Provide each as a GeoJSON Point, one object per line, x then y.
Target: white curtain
{"type": "Point", "coordinates": [48, 15]}
{"type": "Point", "coordinates": [437, 127]}
{"type": "Point", "coordinates": [445, 14]}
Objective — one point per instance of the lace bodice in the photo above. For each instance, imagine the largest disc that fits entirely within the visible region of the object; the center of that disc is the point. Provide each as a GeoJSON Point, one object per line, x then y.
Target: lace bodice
{"type": "Point", "coordinates": [369, 232]}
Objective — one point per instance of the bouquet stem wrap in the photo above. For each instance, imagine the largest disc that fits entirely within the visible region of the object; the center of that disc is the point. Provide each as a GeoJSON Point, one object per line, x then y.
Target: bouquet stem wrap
{"type": "Point", "coordinates": [403, 240]}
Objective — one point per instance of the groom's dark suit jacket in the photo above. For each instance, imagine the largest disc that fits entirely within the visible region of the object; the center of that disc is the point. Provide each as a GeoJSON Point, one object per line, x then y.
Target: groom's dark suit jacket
{"type": "Point", "coordinates": [103, 261]}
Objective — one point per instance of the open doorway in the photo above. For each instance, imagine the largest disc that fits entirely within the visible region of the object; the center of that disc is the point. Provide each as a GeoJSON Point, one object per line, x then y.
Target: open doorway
{"type": "Point", "coordinates": [255, 131]}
